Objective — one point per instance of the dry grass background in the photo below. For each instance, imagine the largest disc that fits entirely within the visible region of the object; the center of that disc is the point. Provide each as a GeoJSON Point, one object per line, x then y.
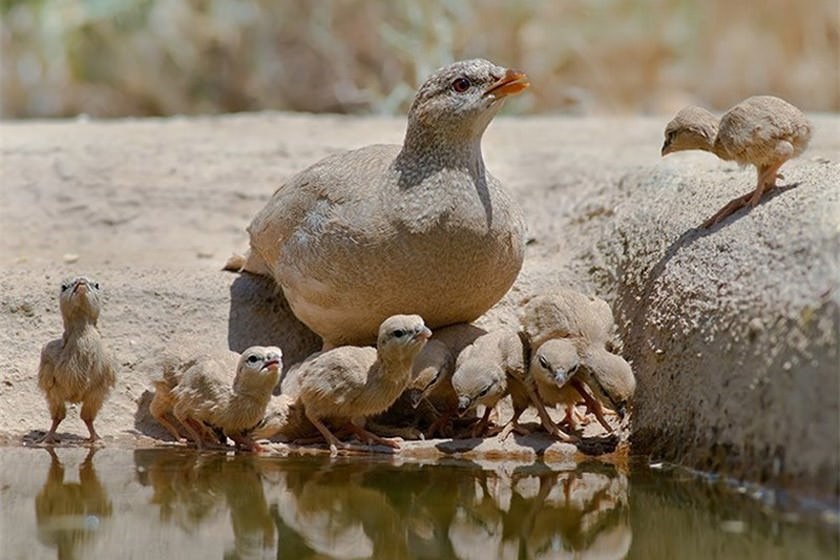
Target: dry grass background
{"type": "Point", "coordinates": [161, 57]}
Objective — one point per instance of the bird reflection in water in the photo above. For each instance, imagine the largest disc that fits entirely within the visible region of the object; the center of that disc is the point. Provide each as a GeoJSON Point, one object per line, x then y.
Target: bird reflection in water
{"type": "Point", "coordinates": [69, 514]}
{"type": "Point", "coordinates": [192, 489]}
{"type": "Point", "coordinates": [315, 508]}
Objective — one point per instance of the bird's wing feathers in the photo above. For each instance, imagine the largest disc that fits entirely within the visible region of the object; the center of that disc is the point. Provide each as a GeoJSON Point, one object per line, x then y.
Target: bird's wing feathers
{"type": "Point", "coordinates": [46, 367]}
{"type": "Point", "coordinates": [313, 196]}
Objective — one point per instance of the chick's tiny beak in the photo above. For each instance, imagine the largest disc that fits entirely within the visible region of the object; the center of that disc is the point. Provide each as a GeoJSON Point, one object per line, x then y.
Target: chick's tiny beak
{"type": "Point", "coordinates": [463, 404]}
{"type": "Point", "coordinates": [621, 410]}
{"type": "Point", "coordinates": [511, 83]}
{"type": "Point", "coordinates": [423, 333]}
{"type": "Point", "coordinates": [81, 288]}
{"type": "Point", "coordinates": [414, 397]}
{"type": "Point", "coordinates": [561, 377]}
{"type": "Point", "coordinates": [274, 362]}
{"type": "Point", "coordinates": [666, 148]}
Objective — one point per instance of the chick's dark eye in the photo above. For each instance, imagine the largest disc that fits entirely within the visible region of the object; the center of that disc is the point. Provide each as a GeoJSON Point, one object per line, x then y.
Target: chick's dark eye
{"type": "Point", "coordinates": [485, 391]}
{"type": "Point", "coordinates": [96, 285]}
{"type": "Point", "coordinates": [64, 287]}
{"type": "Point", "coordinates": [544, 363]}
{"type": "Point", "coordinates": [461, 84]}
{"type": "Point", "coordinates": [253, 359]}
{"type": "Point", "coordinates": [399, 333]}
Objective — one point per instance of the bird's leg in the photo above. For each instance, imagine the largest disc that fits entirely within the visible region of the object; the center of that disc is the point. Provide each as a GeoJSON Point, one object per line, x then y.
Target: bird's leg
{"type": "Point", "coordinates": [333, 441]}
{"type": "Point", "coordinates": [440, 422]}
{"type": "Point", "coordinates": [158, 411]}
{"type": "Point", "coordinates": [766, 182]}
{"type": "Point", "coordinates": [731, 207]}
{"type": "Point", "coordinates": [592, 405]}
{"type": "Point", "coordinates": [370, 437]}
{"type": "Point", "coordinates": [90, 408]}
{"type": "Point", "coordinates": [550, 426]}
{"type": "Point", "coordinates": [246, 442]}
{"type": "Point", "coordinates": [569, 418]}
{"type": "Point", "coordinates": [57, 412]}
{"type": "Point", "coordinates": [481, 426]}
{"type": "Point", "coordinates": [513, 425]}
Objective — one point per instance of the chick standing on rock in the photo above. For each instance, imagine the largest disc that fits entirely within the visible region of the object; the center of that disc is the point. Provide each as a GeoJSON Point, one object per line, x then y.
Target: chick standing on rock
{"type": "Point", "coordinates": [495, 365]}
{"type": "Point", "coordinates": [366, 234]}
{"type": "Point", "coordinates": [553, 368]}
{"type": "Point", "coordinates": [587, 323]}
{"type": "Point", "coordinates": [432, 373]}
{"type": "Point", "coordinates": [205, 396]}
{"type": "Point", "coordinates": [350, 383]}
{"type": "Point", "coordinates": [763, 131]}
{"type": "Point", "coordinates": [77, 368]}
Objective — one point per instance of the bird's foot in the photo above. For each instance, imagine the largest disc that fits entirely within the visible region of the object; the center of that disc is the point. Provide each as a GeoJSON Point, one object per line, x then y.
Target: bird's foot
{"type": "Point", "coordinates": [511, 427]}
{"type": "Point", "coordinates": [370, 438]}
{"type": "Point", "coordinates": [49, 439]}
{"type": "Point", "coordinates": [560, 435]}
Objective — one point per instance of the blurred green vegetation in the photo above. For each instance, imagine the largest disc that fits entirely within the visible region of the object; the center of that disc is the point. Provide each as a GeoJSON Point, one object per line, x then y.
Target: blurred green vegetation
{"type": "Point", "coordinates": [161, 57]}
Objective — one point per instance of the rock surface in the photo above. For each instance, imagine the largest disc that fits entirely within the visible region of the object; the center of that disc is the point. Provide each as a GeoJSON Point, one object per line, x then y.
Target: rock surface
{"type": "Point", "coordinates": [733, 331]}
{"type": "Point", "coordinates": [153, 208]}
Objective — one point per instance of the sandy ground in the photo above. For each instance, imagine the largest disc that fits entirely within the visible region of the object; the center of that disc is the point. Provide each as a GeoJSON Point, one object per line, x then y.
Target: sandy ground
{"type": "Point", "coordinates": [152, 208]}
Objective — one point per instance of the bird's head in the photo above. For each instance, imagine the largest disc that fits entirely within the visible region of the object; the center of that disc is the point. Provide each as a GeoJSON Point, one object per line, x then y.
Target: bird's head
{"type": "Point", "coordinates": [80, 297]}
{"type": "Point", "coordinates": [462, 98]}
{"type": "Point", "coordinates": [478, 381]}
{"type": "Point", "coordinates": [402, 337]}
{"type": "Point", "coordinates": [693, 128]}
{"type": "Point", "coordinates": [610, 378]}
{"type": "Point", "coordinates": [432, 367]}
{"type": "Point", "coordinates": [555, 361]}
{"type": "Point", "coordinates": [258, 369]}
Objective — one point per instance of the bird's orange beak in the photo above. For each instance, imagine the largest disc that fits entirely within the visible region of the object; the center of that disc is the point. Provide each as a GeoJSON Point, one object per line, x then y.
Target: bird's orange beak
{"type": "Point", "coordinates": [511, 83]}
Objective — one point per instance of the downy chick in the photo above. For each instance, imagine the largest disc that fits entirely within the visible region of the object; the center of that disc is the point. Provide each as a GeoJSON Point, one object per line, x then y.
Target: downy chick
{"type": "Point", "coordinates": [205, 397]}
{"type": "Point", "coordinates": [77, 368]}
{"type": "Point", "coordinates": [353, 382]}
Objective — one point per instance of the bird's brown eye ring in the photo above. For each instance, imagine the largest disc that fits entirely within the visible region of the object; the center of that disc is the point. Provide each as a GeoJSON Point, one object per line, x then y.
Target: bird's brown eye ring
{"type": "Point", "coordinates": [461, 85]}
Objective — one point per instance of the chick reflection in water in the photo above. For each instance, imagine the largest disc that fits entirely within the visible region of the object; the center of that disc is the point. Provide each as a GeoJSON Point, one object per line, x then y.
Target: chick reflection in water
{"type": "Point", "coordinates": [69, 514]}
{"type": "Point", "coordinates": [334, 513]}
{"type": "Point", "coordinates": [191, 490]}
{"type": "Point", "coordinates": [580, 514]}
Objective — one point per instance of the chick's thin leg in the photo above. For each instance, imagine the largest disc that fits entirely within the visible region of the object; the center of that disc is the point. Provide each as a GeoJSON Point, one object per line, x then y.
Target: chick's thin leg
{"type": "Point", "coordinates": [513, 425]}
{"type": "Point", "coordinates": [90, 408]}
{"type": "Point", "coordinates": [592, 405]}
{"type": "Point", "coordinates": [57, 412]}
{"type": "Point", "coordinates": [333, 441]}
{"type": "Point", "coordinates": [481, 426]}
{"type": "Point", "coordinates": [731, 207]}
{"type": "Point", "coordinates": [158, 409]}
{"type": "Point", "coordinates": [766, 182]}
{"type": "Point", "coordinates": [370, 437]}
{"type": "Point", "coordinates": [550, 426]}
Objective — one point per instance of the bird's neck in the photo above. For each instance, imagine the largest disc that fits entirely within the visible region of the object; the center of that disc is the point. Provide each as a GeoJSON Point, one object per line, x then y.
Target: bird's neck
{"type": "Point", "coordinates": [441, 147]}
{"type": "Point", "coordinates": [79, 326]}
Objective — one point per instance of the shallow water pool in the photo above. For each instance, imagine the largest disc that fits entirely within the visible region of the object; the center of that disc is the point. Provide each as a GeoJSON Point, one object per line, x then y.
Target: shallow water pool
{"type": "Point", "coordinates": [165, 503]}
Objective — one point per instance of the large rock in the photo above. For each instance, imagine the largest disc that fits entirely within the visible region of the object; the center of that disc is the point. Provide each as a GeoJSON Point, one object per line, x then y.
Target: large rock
{"type": "Point", "coordinates": [732, 331]}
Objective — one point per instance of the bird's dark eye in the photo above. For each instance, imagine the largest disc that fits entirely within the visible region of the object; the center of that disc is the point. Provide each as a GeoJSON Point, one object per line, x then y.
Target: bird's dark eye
{"type": "Point", "coordinates": [485, 391]}
{"type": "Point", "coordinates": [544, 363]}
{"type": "Point", "coordinates": [461, 84]}
{"type": "Point", "coordinates": [65, 287]}
{"type": "Point", "coordinates": [399, 333]}
{"type": "Point", "coordinates": [253, 359]}
{"type": "Point", "coordinates": [96, 285]}
{"type": "Point", "coordinates": [573, 369]}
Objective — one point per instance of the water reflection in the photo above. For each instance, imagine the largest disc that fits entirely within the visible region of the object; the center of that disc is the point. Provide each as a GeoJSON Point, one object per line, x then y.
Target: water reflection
{"type": "Point", "coordinates": [68, 514]}
{"type": "Point", "coordinates": [294, 508]}
{"type": "Point", "coordinates": [181, 504]}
